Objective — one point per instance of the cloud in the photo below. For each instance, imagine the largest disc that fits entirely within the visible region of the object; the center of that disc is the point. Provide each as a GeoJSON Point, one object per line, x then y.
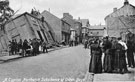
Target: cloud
{"type": "Point", "coordinates": [94, 10]}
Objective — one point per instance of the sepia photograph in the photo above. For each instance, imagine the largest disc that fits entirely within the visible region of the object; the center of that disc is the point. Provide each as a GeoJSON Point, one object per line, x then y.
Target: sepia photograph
{"type": "Point", "coordinates": [67, 40]}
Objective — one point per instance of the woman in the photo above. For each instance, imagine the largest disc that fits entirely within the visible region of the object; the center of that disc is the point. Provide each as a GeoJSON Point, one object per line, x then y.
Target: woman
{"type": "Point", "coordinates": [95, 62]}
{"type": "Point", "coordinates": [107, 66]}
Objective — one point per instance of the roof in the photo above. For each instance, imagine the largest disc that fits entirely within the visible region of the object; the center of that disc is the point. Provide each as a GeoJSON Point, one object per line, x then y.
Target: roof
{"type": "Point", "coordinates": [97, 27]}
{"type": "Point", "coordinates": [47, 13]}
{"type": "Point", "coordinates": [19, 15]}
{"type": "Point", "coordinates": [128, 8]}
{"type": "Point", "coordinates": [85, 22]}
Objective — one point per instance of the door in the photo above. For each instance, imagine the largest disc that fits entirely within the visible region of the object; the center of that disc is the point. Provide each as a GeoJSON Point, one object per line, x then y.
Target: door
{"type": "Point", "coordinates": [40, 36]}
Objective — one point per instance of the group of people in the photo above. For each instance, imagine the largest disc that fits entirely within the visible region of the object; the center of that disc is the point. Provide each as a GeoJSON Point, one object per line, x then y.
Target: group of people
{"type": "Point", "coordinates": [115, 53]}
{"type": "Point", "coordinates": [27, 48]}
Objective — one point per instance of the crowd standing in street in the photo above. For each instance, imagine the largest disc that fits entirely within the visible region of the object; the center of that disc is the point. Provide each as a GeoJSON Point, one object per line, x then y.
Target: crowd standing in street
{"type": "Point", "coordinates": [27, 48]}
{"type": "Point", "coordinates": [115, 53]}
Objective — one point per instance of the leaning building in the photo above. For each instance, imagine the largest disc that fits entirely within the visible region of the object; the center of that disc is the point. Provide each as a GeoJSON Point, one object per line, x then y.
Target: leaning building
{"type": "Point", "coordinates": [25, 26]}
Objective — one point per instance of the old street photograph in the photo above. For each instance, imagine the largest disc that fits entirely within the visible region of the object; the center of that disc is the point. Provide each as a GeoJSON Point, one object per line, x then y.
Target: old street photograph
{"type": "Point", "coordinates": [67, 40]}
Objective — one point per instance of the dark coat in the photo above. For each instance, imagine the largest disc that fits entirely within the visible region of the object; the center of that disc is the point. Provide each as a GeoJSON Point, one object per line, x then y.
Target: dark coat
{"type": "Point", "coordinates": [95, 61]}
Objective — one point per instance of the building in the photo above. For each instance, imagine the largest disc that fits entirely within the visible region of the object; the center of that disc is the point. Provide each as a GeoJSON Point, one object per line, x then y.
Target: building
{"type": "Point", "coordinates": [55, 24]}
{"type": "Point", "coordinates": [76, 27]}
{"type": "Point", "coordinates": [85, 28]}
{"type": "Point", "coordinates": [65, 31]}
{"type": "Point", "coordinates": [121, 20]}
{"type": "Point", "coordinates": [60, 27]}
{"type": "Point", "coordinates": [97, 31]}
{"type": "Point", "coordinates": [69, 19]}
{"type": "Point", "coordinates": [25, 26]}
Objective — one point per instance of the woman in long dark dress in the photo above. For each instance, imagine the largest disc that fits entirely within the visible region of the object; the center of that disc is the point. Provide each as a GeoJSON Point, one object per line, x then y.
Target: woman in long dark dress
{"type": "Point", "coordinates": [120, 59]}
{"type": "Point", "coordinates": [95, 61]}
{"type": "Point", "coordinates": [107, 66]}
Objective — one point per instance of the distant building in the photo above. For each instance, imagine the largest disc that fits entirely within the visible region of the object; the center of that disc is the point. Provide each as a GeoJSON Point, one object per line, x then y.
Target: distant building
{"type": "Point", "coordinates": [85, 28]}
{"type": "Point", "coordinates": [78, 29]}
{"type": "Point", "coordinates": [76, 26]}
{"type": "Point", "coordinates": [25, 26]}
{"type": "Point", "coordinates": [97, 31]}
{"type": "Point", "coordinates": [121, 20]}
{"type": "Point", "coordinates": [65, 31]}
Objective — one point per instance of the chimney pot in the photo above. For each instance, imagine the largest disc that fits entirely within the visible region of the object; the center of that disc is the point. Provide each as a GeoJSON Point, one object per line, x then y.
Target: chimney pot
{"type": "Point", "coordinates": [114, 9]}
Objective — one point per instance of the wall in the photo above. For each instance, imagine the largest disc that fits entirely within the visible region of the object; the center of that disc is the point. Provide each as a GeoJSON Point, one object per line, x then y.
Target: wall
{"type": "Point", "coordinates": [78, 27]}
{"type": "Point", "coordinates": [126, 10]}
{"type": "Point", "coordinates": [96, 32]}
{"type": "Point", "coordinates": [55, 24]}
{"type": "Point", "coordinates": [65, 27]}
{"type": "Point", "coordinates": [116, 25]}
{"type": "Point", "coordinates": [121, 21]}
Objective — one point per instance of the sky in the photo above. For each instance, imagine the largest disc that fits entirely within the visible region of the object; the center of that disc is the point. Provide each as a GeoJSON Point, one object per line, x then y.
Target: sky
{"type": "Point", "coordinates": [94, 10]}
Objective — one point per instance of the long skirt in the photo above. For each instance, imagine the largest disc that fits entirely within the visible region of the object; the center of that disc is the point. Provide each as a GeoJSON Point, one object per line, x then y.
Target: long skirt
{"type": "Point", "coordinates": [95, 63]}
{"type": "Point", "coordinates": [107, 66]}
{"type": "Point", "coordinates": [120, 61]}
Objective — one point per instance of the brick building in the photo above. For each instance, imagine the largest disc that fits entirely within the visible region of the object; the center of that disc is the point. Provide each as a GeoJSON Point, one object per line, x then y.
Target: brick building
{"type": "Point", "coordinates": [96, 31]}
{"type": "Point", "coordinates": [121, 20]}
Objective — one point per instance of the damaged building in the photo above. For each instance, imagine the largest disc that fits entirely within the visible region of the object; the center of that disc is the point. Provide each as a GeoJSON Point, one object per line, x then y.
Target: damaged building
{"type": "Point", "coordinates": [25, 26]}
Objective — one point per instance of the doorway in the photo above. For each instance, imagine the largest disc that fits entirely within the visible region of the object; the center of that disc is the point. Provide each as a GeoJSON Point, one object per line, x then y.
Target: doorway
{"type": "Point", "coordinates": [40, 36]}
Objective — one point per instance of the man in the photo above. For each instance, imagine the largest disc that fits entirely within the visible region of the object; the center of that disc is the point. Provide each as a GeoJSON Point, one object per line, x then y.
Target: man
{"type": "Point", "coordinates": [44, 45]}
{"type": "Point", "coordinates": [35, 46]}
{"type": "Point", "coordinates": [25, 47]}
{"type": "Point", "coordinates": [20, 46]}
{"type": "Point", "coordinates": [10, 48]}
{"type": "Point", "coordinates": [16, 46]}
{"type": "Point", "coordinates": [130, 55]}
{"type": "Point", "coordinates": [122, 58]}
{"type": "Point", "coordinates": [13, 47]}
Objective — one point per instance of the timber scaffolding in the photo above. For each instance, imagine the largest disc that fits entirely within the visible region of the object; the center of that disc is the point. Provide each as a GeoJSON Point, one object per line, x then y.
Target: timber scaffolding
{"type": "Point", "coordinates": [26, 26]}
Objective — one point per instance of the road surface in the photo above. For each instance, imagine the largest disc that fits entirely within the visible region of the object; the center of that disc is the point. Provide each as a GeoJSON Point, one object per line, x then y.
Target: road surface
{"type": "Point", "coordinates": [68, 63]}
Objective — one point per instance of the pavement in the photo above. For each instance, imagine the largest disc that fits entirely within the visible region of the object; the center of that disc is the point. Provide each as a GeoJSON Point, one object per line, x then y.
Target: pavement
{"type": "Point", "coordinates": [4, 56]}
{"type": "Point", "coordinates": [106, 77]}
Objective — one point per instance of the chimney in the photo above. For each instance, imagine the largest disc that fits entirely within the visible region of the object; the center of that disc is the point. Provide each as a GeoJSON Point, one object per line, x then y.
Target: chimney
{"type": "Point", "coordinates": [78, 18]}
{"type": "Point", "coordinates": [114, 9]}
{"type": "Point", "coordinates": [67, 15]}
{"type": "Point", "coordinates": [126, 2]}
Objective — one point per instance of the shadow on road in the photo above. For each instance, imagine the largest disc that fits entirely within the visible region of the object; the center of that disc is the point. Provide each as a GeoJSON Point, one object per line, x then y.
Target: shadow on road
{"type": "Point", "coordinates": [2, 61]}
{"type": "Point", "coordinates": [10, 60]}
